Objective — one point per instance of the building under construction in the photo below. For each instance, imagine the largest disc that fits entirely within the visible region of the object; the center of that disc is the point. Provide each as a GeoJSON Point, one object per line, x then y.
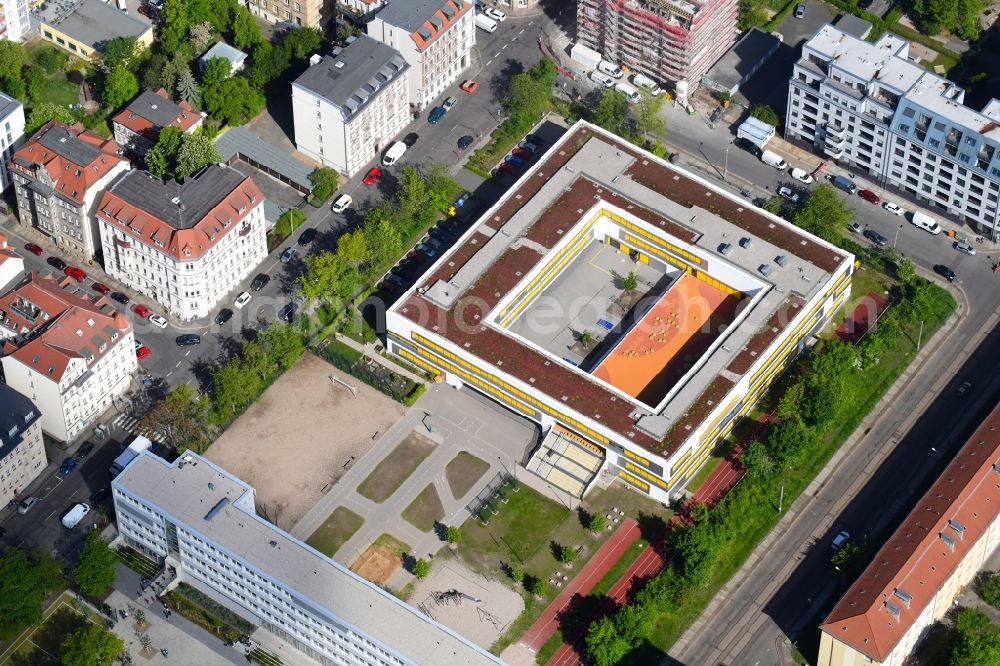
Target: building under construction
{"type": "Point", "coordinates": [667, 40]}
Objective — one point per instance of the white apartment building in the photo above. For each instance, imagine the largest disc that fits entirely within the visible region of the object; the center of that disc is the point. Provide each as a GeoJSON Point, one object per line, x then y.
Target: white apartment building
{"type": "Point", "coordinates": [347, 107]}
{"type": "Point", "coordinates": [195, 517]}
{"type": "Point", "coordinates": [11, 262]}
{"type": "Point", "coordinates": [67, 350]}
{"type": "Point", "coordinates": [870, 108]}
{"type": "Point", "coordinates": [14, 23]}
{"type": "Point", "coordinates": [22, 451]}
{"type": "Point", "coordinates": [58, 174]}
{"type": "Point", "coordinates": [11, 136]}
{"type": "Point", "coordinates": [435, 38]}
{"type": "Point", "coordinates": [185, 245]}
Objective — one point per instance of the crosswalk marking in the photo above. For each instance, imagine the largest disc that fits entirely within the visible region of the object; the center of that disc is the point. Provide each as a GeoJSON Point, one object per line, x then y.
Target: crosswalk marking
{"type": "Point", "coordinates": [130, 424]}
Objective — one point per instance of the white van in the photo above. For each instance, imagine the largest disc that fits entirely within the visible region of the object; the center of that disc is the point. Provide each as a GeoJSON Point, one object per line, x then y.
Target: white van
{"type": "Point", "coordinates": [484, 22]}
{"type": "Point", "coordinates": [75, 515]}
{"type": "Point", "coordinates": [645, 82]}
{"type": "Point", "coordinates": [773, 159]}
{"type": "Point", "coordinates": [610, 69]}
{"type": "Point", "coordinates": [121, 6]}
{"type": "Point", "coordinates": [395, 151]}
{"type": "Point", "coordinates": [925, 222]}
{"type": "Point", "coordinates": [631, 94]}
{"type": "Point", "coordinates": [602, 79]}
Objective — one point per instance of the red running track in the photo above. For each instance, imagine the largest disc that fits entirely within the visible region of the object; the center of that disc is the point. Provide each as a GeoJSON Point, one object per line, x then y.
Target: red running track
{"type": "Point", "coordinates": [593, 571]}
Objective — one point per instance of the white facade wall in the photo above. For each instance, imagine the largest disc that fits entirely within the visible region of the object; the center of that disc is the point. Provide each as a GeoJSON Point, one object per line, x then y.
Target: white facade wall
{"type": "Point", "coordinates": [322, 133]}
{"type": "Point", "coordinates": [74, 403]}
{"type": "Point", "coordinates": [11, 138]}
{"type": "Point", "coordinates": [188, 289]}
{"type": "Point", "coordinates": [22, 465]}
{"type": "Point", "coordinates": [14, 25]}
{"type": "Point", "coordinates": [436, 67]}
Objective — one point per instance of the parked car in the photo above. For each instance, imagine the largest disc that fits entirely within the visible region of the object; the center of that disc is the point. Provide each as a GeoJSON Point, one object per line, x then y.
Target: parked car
{"type": "Point", "coordinates": [75, 273]}
{"type": "Point", "coordinates": [965, 248]}
{"type": "Point", "coordinates": [410, 139]}
{"type": "Point", "coordinates": [800, 10]}
{"type": "Point", "coordinates": [854, 227]}
{"type": "Point", "coordinates": [470, 86]}
{"type": "Point", "coordinates": [514, 159]}
{"type": "Point", "coordinates": [68, 465]}
{"type": "Point", "coordinates": [158, 320]}
{"type": "Point", "coordinates": [26, 504]}
{"type": "Point", "coordinates": [102, 289]}
{"type": "Point", "coordinates": [85, 449]}
{"type": "Point", "coordinates": [465, 141]}
{"type": "Point", "coordinates": [119, 297]}
{"type": "Point", "coordinates": [892, 208]}
{"type": "Point", "coordinates": [964, 387]}
{"type": "Point", "coordinates": [56, 263]}
{"type": "Point", "coordinates": [142, 353]}
{"type": "Point", "coordinates": [308, 236]}
{"type": "Point", "coordinates": [508, 168]}
{"type": "Point", "coordinates": [34, 249]}
{"type": "Point", "coordinates": [523, 153]}
{"type": "Point", "coordinates": [602, 79]}
{"type": "Point", "coordinates": [448, 103]}
{"type": "Point", "coordinates": [100, 494]}
{"type": "Point", "coordinates": [141, 310]}
{"type": "Point", "coordinates": [787, 193]}
{"type": "Point", "coordinates": [372, 176]}
{"type": "Point", "coordinates": [287, 313]}
{"type": "Point", "coordinates": [225, 314]}
{"type": "Point", "coordinates": [342, 203]}
{"type": "Point", "coordinates": [495, 14]}
{"type": "Point", "coordinates": [869, 196]}
{"type": "Point", "coordinates": [945, 272]}
{"type": "Point", "coordinates": [242, 300]}
{"type": "Point", "coordinates": [802, 175]}
{"type": "Point", "coordinates": [876, 237]}
{"type": "Point", "coordinates": [260, 281]}
{"type": "Point", "coordinates": [188, 339]}
{"type": "Point", "coordinates": [436, 114]}
{"type": "Point", "coordinates": [288, 254]}
{"type": "Point", "coordinates": [840, 540]}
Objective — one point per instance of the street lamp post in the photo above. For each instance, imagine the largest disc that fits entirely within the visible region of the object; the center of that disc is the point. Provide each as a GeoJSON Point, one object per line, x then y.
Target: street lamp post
{"type": "Point", "coordinates": [728, 146]}
{"type": "Point", "coordinates": [897, 237]}
{"type": "Point", "coordinates": [920, 337]}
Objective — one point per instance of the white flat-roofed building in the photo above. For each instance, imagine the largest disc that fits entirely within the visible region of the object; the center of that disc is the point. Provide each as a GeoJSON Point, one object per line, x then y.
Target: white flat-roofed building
{"type": "Point", "coordinates": [14, 23]}
{"type": "Point", "coordinates": [347, 107]}
{"type": "Point", "coordinates": [435, 38]}
{"type": "Point", "coordinates": [11, 134]}
{"type": "Point", "coordinates": [68, 350]}
{"type": "Point", "coordinates": [185, 245]}
{"type": "Point", "coordinates": [194, 516]}
{"type": "Point", "coordinates": [869, 107]}
{"type": "Point", "coordinates": [22, 451]}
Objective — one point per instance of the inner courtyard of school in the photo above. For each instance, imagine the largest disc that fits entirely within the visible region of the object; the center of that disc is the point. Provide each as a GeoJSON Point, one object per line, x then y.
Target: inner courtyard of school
{"type": "Point", "coordinates": [631, 308]}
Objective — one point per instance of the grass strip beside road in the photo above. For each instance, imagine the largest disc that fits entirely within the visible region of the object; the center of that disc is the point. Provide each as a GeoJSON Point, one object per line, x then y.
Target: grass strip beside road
{"type": "Point", "coordinates": [338, 527]}
{"type": "Point", "coordinates": [425, 511]}
{"type": "Point", "coordinates": [396, 468]}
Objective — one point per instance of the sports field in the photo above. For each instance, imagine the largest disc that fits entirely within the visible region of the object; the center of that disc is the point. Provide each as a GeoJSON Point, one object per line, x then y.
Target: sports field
{"type": "Point", "coordinates": [40, 644]}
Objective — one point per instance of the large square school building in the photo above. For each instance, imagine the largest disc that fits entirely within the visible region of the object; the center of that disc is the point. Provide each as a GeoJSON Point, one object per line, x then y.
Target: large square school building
{"type": "Point", "coordinates": [631, 308]}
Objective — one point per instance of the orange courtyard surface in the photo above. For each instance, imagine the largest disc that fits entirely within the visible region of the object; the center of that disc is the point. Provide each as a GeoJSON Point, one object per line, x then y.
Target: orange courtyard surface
{"type": "Point", "coordinates": [668, 340]}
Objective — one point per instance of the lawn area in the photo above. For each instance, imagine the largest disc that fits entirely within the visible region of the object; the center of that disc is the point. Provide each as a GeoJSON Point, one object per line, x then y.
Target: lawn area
{"type": "Point", "coordinates": [864, 280]}
{"type": "Point", "coordinates": [57, 89]}
{"type": "Point", "coordinates": [717, 457]}
{"type": "Point", "coordinates": [335, 531]}
{"type": "Point", "coordinates": [396, 467]}
{"type": "Point", "coordinates": [463, 471]}
{"type": "Point", "coordinates": [398, 548]}
{"type": "Point", "coordinates": [40, 644]}
{"type": "Point", "coordinates": [425, 511]}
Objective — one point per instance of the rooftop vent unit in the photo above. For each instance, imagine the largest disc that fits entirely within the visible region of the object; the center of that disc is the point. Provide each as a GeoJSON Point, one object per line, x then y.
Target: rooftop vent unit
{"type": "Point", "coordinates": [765, 270]}
{"type": "Point", "coordinates": [726, 249]}
{"type": "Point", "coordinates": [746, 242]}
{"type": "Point", "coordinates": [781, 260]}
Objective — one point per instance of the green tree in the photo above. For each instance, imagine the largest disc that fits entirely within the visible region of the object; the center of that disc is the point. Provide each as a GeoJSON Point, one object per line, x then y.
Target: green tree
{"type": "Point", "coordinates": [920, 300]}
{"type": "Point", "coordinates": [196, 152]}
{"type": "Point", "coordinates": [44, 112]}
{"type": "Point", "coordinates": [120, 86]}
{"type": "Point", "coordinates": [97, 567]}
{"type": "Point", "coordinates": [90, 645]}
{"type": "Point", "coordinates": [824, 213]}
{"type": "Point", "coordinates": [535, 585]}
{"type": "Point", "coordinates": [934, 16]}
{"type": "Point", "coordinates": [201, 35]}
{"type": "Point", "coordinates": [990, 590]}
{"type": "Point", "coordinates": [34, 82]}
{"type": "Point", "coordinates": [517, 575]}
{"type": "Point", "coordinates": [282, 344]}
{"type": "Point", "coordinates": [12, 58]}
{"type": "Point", "coordinates": [596, 522]}
{"type": "Point", "coordinates": [442, 190]}
{"type": "Point", "coordinates": [568, 554]}
{"type": "Point", "coordinates": [383, 240]}
{"type": "Point", "coordinates": [453, 535]}
{"type": "Point", "coordinates": [234, 388]}
{"type": "Point", "coordinates": [697, 547]}
{"type": "Point", "coordinates": [324, 183]}
{"type": "Point", "coordinates": [352, 248]}
{"type": "Point", "coordinates": [631, 282]}
{"type": "Point", "coordinates": [289, 221]}
{"type": "Point", "coordinates": [246, 33]}
{"type": "Point", "coordinates": [586, 338]}
{"type": "Point", "coordinates": [21, 593]}
{"type": "Point", "coordinates": [161, 159]}
{"type": "Point", "coordinates": [774, 205]}
{"type": "Point", "coordinates": [51, 59]}
{"type": "Point", "coordinates": [791, 400]}
{"type": "Point", "coordinates": [646, 115]}
{"type": "Point", "coordinates": [421, 568]}
{"type": "Point", "coordinates": [756, 460]}
{"type": "Point", "coordinates": [49, 570]}
{"type": "Point", "coordinates": [605, 646]}
{"type": "Point", "coordinates": [303, 42]}
{"type": "Point", "coordinates": [322, 276]}
{"type": "Point", "coordinates": [845, 559]}
{"type": "Point", "coordinates": [232, 101]}
{"type": "Point", "coordinates": [973, 640]}
{"type": "Point", "coordinates": [176, 23]}
{"type": "Point", "coordinates": [968, 25]}
{"type": "Point", "coordinates": [905, 270]}
{"type": "Point", "coordinates": [752, 13]}
{"type": "Point", "coordinates": [787, 439]}
{"type": "Point", "coordinates": [180, 419]}
{"type": "Point", "coordinates": [527, 99]}
{"type": "Point", "coordinates": [766, 114]}
{"type": "Point", "coordinates": [187, 88]}
{"type": "Point", "coordinates": [611, 112]}
{"type": "Point", "coordinates": [15, 88]}
{"type": "Point", "coordinates": [123, 51]}
{"type": "Point", "coordinates": [216, 70]}
{"type": "Point", "coordinates": [216, 13]}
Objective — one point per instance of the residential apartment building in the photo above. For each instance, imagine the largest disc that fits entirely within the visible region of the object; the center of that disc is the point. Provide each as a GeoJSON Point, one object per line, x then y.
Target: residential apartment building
{"type": "Point", "coordinates": [22, 452]}
{"type": "Point", "coordinates": [195, 517]}
{"type": "Point", "coordinates": [11, 136]}
{"type": "Point", "coordinates": [137, 126]}
{"type": "Point", "coordinates": [66, 349]}
{"type": "Point", "coordinates": [308, 13]}
{"type": "Point", "coordinates": [11, 262]}
{"type": "Point", "coordinates": [359, 12]}
{"type": "Point", "coordinates": [58, 174]}
{"type": "Point", "coordinates": [667, 40]}
{"type": "Point", "coordinates": [435, 37]}
{"type": "Point", "coordinates": [185, 245]}
{"type": "Point", "coordinates": [871, 109]}
{"type": "Point", "coordinates": [13, 19]}
{"type": "Point", "coordinates": [347, 107]}
{"type": "Point", "coordinates": [915, 577]}
{"type": "Point", "coordinates": [84, 27]}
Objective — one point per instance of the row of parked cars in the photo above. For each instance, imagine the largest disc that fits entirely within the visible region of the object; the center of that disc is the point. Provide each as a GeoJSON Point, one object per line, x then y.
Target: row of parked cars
{"type": "Point", "coordinates": [519, 157]}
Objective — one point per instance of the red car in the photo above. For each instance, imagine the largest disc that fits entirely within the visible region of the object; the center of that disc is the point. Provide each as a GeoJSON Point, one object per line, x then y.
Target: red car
{"type": "Point", "coordinates": [869, 196]}
{"type": "Point", "coordinates": [523, 153]}
{"type": "Point", "coordinates": [470, 86]}
{"type": "Point", "coordinates": [142, 353]}
{"type": "Point", "coordinates": [508, 168]}
{"type": "Point", "coordinates": [75, 273]}
{"type": "Point", "coordinates": [102, 289]}
{"type": "Point", "coordinates": [33, 249]}
{"type": "Point", "coordinates": [372, 176]}
{"type": "Point", "coordinates": [141, 310]}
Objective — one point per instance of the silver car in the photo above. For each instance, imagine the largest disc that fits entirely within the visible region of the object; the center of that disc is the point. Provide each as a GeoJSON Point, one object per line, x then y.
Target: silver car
{"type": "Point", "coordinates": [965, 248]}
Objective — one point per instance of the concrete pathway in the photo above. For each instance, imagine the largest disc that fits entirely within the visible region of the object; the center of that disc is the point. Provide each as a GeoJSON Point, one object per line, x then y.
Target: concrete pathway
{"type": "Point", "coordinates": [370, 351]}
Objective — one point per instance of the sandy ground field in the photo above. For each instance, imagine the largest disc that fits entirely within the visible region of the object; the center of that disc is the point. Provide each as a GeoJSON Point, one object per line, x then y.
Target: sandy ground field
{"type": "Point", "coordinates": [300, 435]}
{"type": "Point", "coordinates": [376, 564]}
{"type": "Point", "coordinates": [481, 622]}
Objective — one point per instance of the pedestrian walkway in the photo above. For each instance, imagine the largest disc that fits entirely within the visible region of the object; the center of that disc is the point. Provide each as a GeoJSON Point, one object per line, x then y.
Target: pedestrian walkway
{"type": "Point", "coordinates": [372, 351]}
{"type": "Point", "coordinates": [130, 424]}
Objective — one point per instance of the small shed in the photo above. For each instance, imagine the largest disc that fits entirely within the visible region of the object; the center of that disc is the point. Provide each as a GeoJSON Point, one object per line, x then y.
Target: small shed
{"type": "Point", "coordinates": [235, 57]}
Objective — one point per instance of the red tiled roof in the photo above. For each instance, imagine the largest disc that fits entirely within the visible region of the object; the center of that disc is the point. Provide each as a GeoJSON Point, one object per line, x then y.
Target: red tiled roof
{"type": "Point", "coordinates": [130, 117]}
{"type": "Point", "coordinates": [460, 10]}
{"type": "Point", "coordinates": [913, 565]}
{"type": "Point", "coordinates": [71, 180]}
{"type": "Point", "coordinates": [67, 310]}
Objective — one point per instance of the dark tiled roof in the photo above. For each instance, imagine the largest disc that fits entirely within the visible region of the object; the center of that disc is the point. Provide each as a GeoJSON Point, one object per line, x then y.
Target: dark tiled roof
{"type": "Point", "coordinates": [17, 414]}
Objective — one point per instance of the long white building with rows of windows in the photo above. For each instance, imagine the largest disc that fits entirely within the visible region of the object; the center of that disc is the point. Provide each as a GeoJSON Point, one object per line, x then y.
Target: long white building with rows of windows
{"type": "Point", "coordinates": [869, 107]}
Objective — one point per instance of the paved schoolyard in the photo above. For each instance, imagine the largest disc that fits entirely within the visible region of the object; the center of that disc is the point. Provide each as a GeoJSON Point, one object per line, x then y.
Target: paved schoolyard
{"type": "Point", "coordinates": [458, 420]}
{"type": "Point", "coordinates": [302, 435]}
